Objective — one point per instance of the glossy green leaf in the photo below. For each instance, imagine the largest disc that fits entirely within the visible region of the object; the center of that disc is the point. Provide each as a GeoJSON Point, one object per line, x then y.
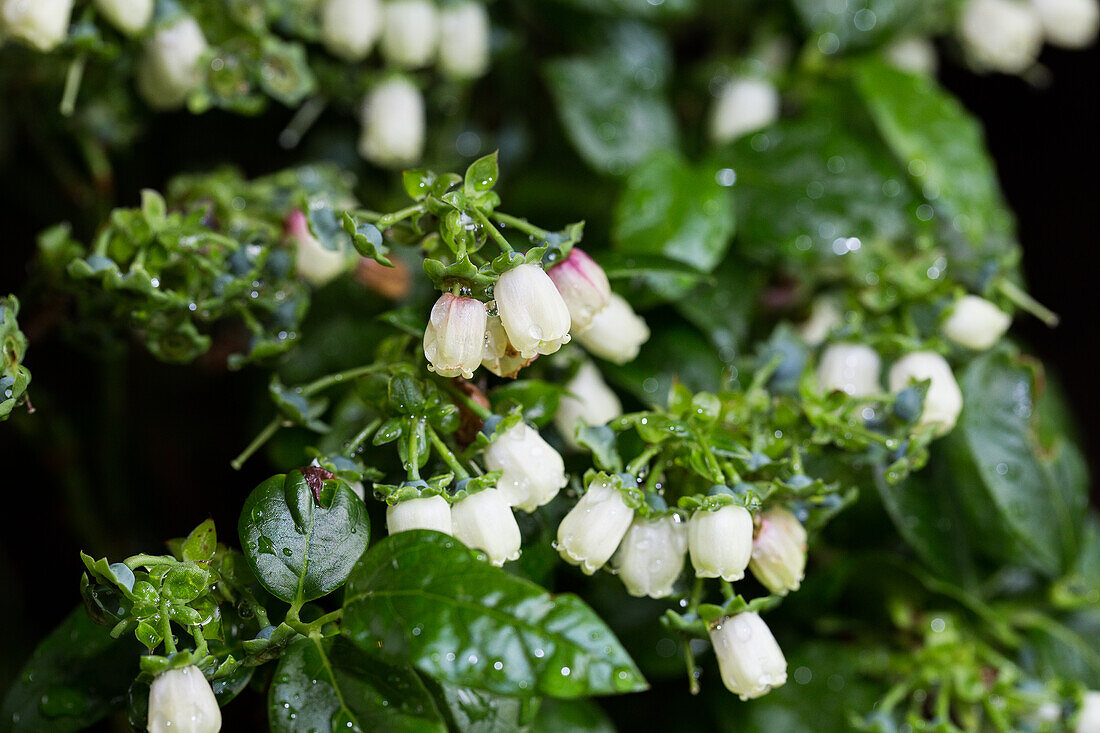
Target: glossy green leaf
{"type": "Point", "coordinates": [331, 685]}
{"type": "Point", "coordinates": [424, 599]}
{"type": "Point", "coordinates": [201, 543]}
{"type": "Point", "coordinates": [477, 711]}
{"type": "Point", "coordinates": [298, 549]}
{"type": "Point", "coordinates": [571, 715]}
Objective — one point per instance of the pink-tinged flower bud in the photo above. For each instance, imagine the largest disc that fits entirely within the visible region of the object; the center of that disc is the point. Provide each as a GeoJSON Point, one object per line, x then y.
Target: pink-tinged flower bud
{"type": "Point", "coordinates": [129, 16]}
{"type": "Point", "coordinates": [583, 286]}
{"type": "Point", "coordinates": [720, 542]}
{"type": "Point", "coordinates": [587, 398]}
{"type": "Point", "coordinates": [484, 521]}
{"type": "Point", "coordinates": [975, 323]}
{"type": "Point", "coordinates": [410, 33]}
{"type": "Point", "coordinates": [393, 124]}
{"type": "Point", "coordinates": [181, 701]}
{"type": "Point", "coordinates": [429, 512]}
{"type": "Point", "coordinates": [651, 556]}
{"type": "Point", "coordinates": [592, 530]}
{"type": "Point", "coordinates": [532, 472]}
{"type": "Point", "coordinates": [779, 551]}
{"type": "Point", "coordinates": [616, 332]}
{"type": "Point", "coordinates": [169, 68]}
{"type": "Point", "coordinates": [499, 356]}
{"type": "Point", "coordinates": [1088, 718]}
{"type": "Point", "coordinates": [944, 400]}
{"type": "Point", "coordinates": [349, 28]}
{"type": "Point", "coordinates": [744, 105]}
{"type": "Point", "coordinates": [851, 368]}
{"type": "Point", "coordinates": [1069, 23]}
{"type": "Point", "coordinates": [464, 40]}
{"type": "Point", "coordinates": [1001, 35]}
{"type": "Point", "coordinates": [39, 23]}
{"type": "Point", "coordinates": [749, 659]}
{"type": "Point", "coordinates": [455, 337]}
{"type": "Point", "coordinates": [314, 262]}
{"type": "Point", "coordinates": [532, 311]}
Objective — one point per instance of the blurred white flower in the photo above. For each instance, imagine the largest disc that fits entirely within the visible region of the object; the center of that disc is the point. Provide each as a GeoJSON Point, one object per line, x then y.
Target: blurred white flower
{"type": "Point", "coordinates": [616, 332]}
{"type": "Point", "coordinates": [944, 400]}
{"type": "Point", "coordinates": [464, 39]}
{"type": "Point", "coordinates": [393, 124]}
{"type": "Point", "coordinates": [349, 28]}
{"type": "Point", "coordinates": [43, 24]}
{"type": "Point", "coordinates": [410, 33]}
{"type": "Point", "coordinates": [852, 368]}
{"type": "Point", "coordinates": [1001, 35]}
{"type": "Point", "coordinates": [744, 105]}
{"type": "Point", "coordinates": [169, 68]}
{"type": "Point", "coordinates": [587, 397]}
{"type": "Point", "coordinates": [975, 323]}
{"type": "Point", "coordinates": [1069, 23]}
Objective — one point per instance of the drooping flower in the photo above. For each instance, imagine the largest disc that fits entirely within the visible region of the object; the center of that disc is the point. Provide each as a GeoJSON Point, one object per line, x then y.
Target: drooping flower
{"type": "Point", "coordinates": [533, 472]}
{"type": "Point", "coordinates": [720, 542]}
{"type": "Point", "coordinates": [499, 356]}
{"type": "Point", "coordinates": [744, 105]}
{"type": "Point", "coordinates": [944, 400]}
{"type": "Point", "coordinates": [454, 339]}
{"type": "Point", "coordinates": [779, 551]}
{"type": "Point", "coordinates": [583, 286]}
{"type": "Point", "coordinates": [181, 701]}
{"type": "Point", "coordinates": [1001, 35]}
{"type": "Point", "coordinates": [975, 323]}
{"type": "Point", "coordinates": [532, 311]}
{"type": "Point", "coordinates": [587, 398]}
{"type": "Point", "coordinates": [464, 40]}
{"type": "Point", "coordinates": [410, 33]}
{"type": "Point", "coordinates": [169, 68]}
{"type": "Point", "coordinates": [349, 28]}
{"type": "Point", "coordinates": [616, 332]}
{"type": "Point", "coordinates": [313, 261]}
{"type": "Point", "coordinates": [429, 512]}
{"type": "Point", "coordinates": [43, 24]}
{"type": "Point", "coordinates": [749, 659]}
{"type": "Point", "coordinates": [851, 368]}
{"type": "Point", "coordinates": [129, 16]}
{"type": "Point", "coordinates": [1069, 23]}
{"type": "Point", "coordinates": [393, 124]}
{"type": "Point", "coordinates": [484, 521]}
{"type": "Point", "coordinates": [651, 556]}
{"type": "Point", "coordinates": [592, 530]}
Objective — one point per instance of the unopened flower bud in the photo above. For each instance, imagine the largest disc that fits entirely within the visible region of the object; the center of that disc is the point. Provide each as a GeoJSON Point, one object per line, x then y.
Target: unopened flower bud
{"type": "Point", "coordinates": [429, 512]}
{"type": "Point", "coordinates": [825, 315]}
{"type": "Point", "coordinates": [499, 356]}
{"type": "Point", "coordinates": [1001, 35]}
{"type": "Point", "coordinates": [914, 54]}
{"type": "Point", "coordinates": [749, 659]}
{"type": "Point", "coordinates": [616, 332]}
{"type": "Point", "coordinates": [464, 40]}
{"type": "Point", "coordinates": [1088, 719]}
{"type": "Point", "coordinates": [944, 401]}
{"type": "Point", "coordinates": [455, 337]}
{"type": "Point", "coordinates": [592, 530]}
{"type": "Point", "coordinates": [587, 398]}
{"type": "Point", "coordinates": [485, 522]}
{"type": "Point", "coordinates": [720, 542]}
{"type": "Point", "coordinates": [1069, 23]}
{"type": "Point", "coordinates": [181, 701]}
{"type": "Point", "coordinates": [533, 472]}
{"type": "Point", "coordinates": [313, 261]}
{"type": "Point", "coordinates": [169, 68]}
{"type": "Point", "coordinates": [410, 33]}
{"type": "Point", "coordinates": [393, 124]}
{"type": "Point", "coordinates": [651, 556]}
{"type": "Point", "coordinates": [532, 311]}
{"type": "Point", "coordinates": [43, 24]}
{"type": "Point", "coordinates": [779, 551]}
{"type": "Point", "coordinates": [129, 16]}
{"type": "Point", "coordinates": [349, 28]}
{"type": "Point", "coordinates": [975, 323]}
{"type": "Point", "coordinates": [851, 368]}
{"type": "Point", "coordinates": [583, 286]}
{"type": "Point", "coordinates": [743, 105]}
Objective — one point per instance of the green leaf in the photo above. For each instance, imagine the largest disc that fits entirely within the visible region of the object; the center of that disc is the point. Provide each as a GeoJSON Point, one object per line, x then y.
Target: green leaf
{"type": "Point", "coordinates": [422, 598]}
{"type": "Point", "coordinates": [671, 208]}
{"type": "Point", "coordinates": [651, 375]}
{"type": "Point", "coordinates": [300, 550]}
{"type": "Point", "coordinates": [600, 441]}
{"type": "Point", "coordinates": [77, 675]}
{"type": "Point", "coordinates": [367, 239]}
{"type": "Point", "coordinates": [1025, 501]}
{"type": "Point", "coordinates": [201, 543]}
{"type": "Point", "coordinates": [476, 711]}
{"type": "Point", "coordinates": [331, 685]}
{"type": "Point", "coordinates": [723, 305]}
{"type": "Point", "coordinates": [864, 23]}
{"type": "Point", "coordinates": [612, 103]}
{"type": "Point", "coordinates": [571, 715]}
{"type": "Point", "coordinates": [538, 399]}
{"type": "Point", "coordinates": [481, 176]}
{"type": "Point", "coordinates": [14, 377]}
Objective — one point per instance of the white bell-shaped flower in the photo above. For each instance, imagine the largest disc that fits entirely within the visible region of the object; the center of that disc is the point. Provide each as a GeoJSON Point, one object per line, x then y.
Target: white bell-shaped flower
{"type": "Point", "coordinates": [484, 521]}
{"type": "Point", "coordinates": [455, 336]}
{"type": "Point", "coordinates": [532, 311]}
{"type": "Point", "coordinates": [825, 315]}
{"type": "Point", "coordinates": [1001, 35]}
{"type": "Point", "coordinates": [1088, 719]}
{"type": "Point", "coordinates": [913, 54]}
{"type": "Point", "coordinates": [429, 512]}
{"type": "Point", "coordinates": [852, 368]}
{"type": "Point", "coordinates": [43, 24]}
{"type": "Point", "coordinates": [499, 356]}
{"type": "Point", "coordinates": [975, 323]}
{"type": "Point", "coordinates": [129, 16]}
{"type": "Point", "coordinates": [744, 105]}
{"type": "Point", "coordinates": [583, 286]}
{"type": "Point", "coordinates": [464, 39]}
{"type": "Point", "coordinates": [616, 332]}
{"type": "Point", "coordinates": [720, 542]}
{"type": "Point", "coordinates": [532, 472]}
{"type": "Point", "coordinates": [314, 262]}
{"type": "Point", "coordinates": [587, 398]}
{"type": "Point", "coordinates": [593, 529]}
{"type": "Point", "coordinates": [349, 28]}
{"type": "Point", "coordinates": [779, 551]}
{"type": "Point", "coordinates": [944, 400]}
{"type": "Point", "coordinates": [1069, 23]}
{"type": "Point", "coordinates": [181, 701]}
{"type": "Point", "coordinates": [651, 556]}
{"type": "Point", "coordinates": [169, 67]}
{"type": "Point", "coordinates": [393, 124]}
{"type": "Point", "coordinates": [749, 659]}
{"type": "Point", "coordinates": [410, 33]}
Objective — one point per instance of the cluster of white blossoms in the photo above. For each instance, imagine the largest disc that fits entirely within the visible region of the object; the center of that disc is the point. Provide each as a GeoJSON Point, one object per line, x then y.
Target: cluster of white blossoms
{"type": "Point", "coordinates": [44, 24]}
{"type": "Point", "coordinates": [181, 701]}
{"type": "Point", "coordinates": [856, 369]}
{"type": "Point", "coordinates": [1007, 35]}
{"type": "Point", "coordinates": [534, 312]}
{"type": "Point", "coordinates": [411, 34]}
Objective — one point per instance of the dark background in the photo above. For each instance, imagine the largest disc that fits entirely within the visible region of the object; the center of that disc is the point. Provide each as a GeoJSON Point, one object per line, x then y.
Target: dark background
{"type": "Point", "coordinates": [127, 452]}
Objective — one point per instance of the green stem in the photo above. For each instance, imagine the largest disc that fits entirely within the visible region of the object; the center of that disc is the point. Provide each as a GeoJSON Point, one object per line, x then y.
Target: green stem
{"type": "Point", "coordinates": [727, 590]}
{"type": "Point", "coordinates": [642, 459]}
{"type": "Point", "coordinates": [521, 224]}
{"type": "Point", "coordinates": [148, 561]}
{"type": "Point", "coordinates": [413, 467]}
{"type": "Point", "coordinates": [166, 627]}
{"type": "Point", "coordinates": [294, 621]}
{"type": "Point", "coordinates": [491, 228]}
{"type": "Point", "coordinates": [361, 436]}
{"type": "Point", "coordinates": [388, 220]}
{"type": "Point", "coordinates": [479, 410]}
{"type": "Point", "coordinates": [73, 78]}
{"type": "Point", "coordinates": [655, 475]}
{"type": "Point", "coordinates": [325, 382]}
{"type": "Point", "coordinates": [446, 454]}
{"type": "Point", "coordinates": [257, 442]}
{"type": "Point", "coordinates": [689, 663]}
{"type": "Point", "coordinates": [302, 121]}
{"type": "Point", "coordinates": [1026, 303]}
